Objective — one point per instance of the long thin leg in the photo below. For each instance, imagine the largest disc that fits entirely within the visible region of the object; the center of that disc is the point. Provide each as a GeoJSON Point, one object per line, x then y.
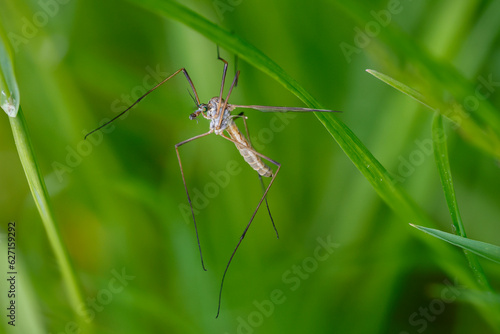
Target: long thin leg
{"type": "Point", "coordinates": [242, 115]}
{"type": "Point", "coordinates": [236, 67]}
{"type": "Point", "coordinates": [235, 61]}
{"type": "Point", "coordinates": [235, 80]}
{"type": "Point", "coordinates": [147, 93]}
{"type": "Point", "coordinates": [187, 192]}
{"type": "Point", "coordinates": [267, 206]}
{"type": "Point", "coordinates": [223, 82]}
{"type": "Point", "coordinates": [251, 219]}
{"type": "Point", "coordinates": [233, 84]}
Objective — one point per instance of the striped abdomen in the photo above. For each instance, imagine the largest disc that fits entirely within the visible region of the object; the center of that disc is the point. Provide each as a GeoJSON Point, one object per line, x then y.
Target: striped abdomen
{"type": "Point", "coordinates": [250, 157]}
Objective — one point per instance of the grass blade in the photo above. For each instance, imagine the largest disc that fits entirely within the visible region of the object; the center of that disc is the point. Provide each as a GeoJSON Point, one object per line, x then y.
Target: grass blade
{"type": "Point", "coordinates": [41, 198]}
{"type": "Point", "coordinates": [401, 87]}
{"type": "Point", "coordinates": [11, 105]}
{"type": "Point", "coordinates": [488, 141]}
{"type": "Point", "coordinates": [443, 165]}
{"type": "Point", "coordinates": [488, 251]}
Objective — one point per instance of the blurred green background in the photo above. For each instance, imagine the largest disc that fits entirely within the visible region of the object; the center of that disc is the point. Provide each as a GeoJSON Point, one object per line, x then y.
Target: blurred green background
{"type": "Point", "coordinates": [119, 199]}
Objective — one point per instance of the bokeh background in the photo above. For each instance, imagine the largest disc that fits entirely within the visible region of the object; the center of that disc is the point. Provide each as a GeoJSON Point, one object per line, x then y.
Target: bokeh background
{"type": "Point", "coordinates": [119, 199]}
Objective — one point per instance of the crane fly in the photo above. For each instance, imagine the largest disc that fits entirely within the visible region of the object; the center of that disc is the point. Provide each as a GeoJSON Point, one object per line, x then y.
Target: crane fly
{"type": "Point", "coordinates": [218, 112]}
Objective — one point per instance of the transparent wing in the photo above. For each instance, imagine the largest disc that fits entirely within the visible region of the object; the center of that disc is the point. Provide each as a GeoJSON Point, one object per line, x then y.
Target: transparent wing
{"type": "Point", "coordinates": [280, 109]}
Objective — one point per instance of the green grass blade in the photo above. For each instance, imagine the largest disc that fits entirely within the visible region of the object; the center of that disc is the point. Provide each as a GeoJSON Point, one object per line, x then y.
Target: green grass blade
{"type": "Point", "coordinates": [488, 251]}
{"type": "Point", "coordinates": [401, 87]}
{"type": "Point", "coordinates": [443, 165]}
{"type": "Point", "coordinates": [36, 183]}
{"type": "Point", "coordinates": [486, 140]}
{"type": "Point", "coordinates": [42, 201]}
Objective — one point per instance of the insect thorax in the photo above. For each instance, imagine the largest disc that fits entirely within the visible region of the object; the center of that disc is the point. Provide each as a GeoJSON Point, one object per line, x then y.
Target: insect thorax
{"type": "Point", "coordinates": [215, 118]}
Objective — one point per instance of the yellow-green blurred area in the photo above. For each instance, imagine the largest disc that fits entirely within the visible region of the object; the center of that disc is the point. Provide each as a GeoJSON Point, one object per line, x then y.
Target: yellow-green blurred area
{"type": "Point", "coordinates": [344, 261]}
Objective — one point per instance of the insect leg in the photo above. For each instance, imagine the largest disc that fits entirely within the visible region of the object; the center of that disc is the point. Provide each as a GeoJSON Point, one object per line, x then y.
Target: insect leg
{"type": "Point", "coordinates": [223, 82]}
{"type": "Point", "coordinates": [278, 165]}
{"type": "Point", "coordinates": [242, 115]}
{"type": "Point", "coordinates": [236, 67]}
{"type": "Point", "coordinates": [147, 93]}
{"type": "Point", "coordinates": [235, 80]}
{"type": "Point", "coordinates": [187, 192]}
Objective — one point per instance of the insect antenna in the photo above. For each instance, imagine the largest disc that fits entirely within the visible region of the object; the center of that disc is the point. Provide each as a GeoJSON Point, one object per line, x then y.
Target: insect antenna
{"type": "Point", "coordinates": [192, 97]}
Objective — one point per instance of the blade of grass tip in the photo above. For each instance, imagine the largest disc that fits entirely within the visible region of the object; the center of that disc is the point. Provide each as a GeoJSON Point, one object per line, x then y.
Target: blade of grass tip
{"type": "Point", "coordinates": [486, 301]}
{"type": "Point", "coordinates": [486, 250]}
{"type": "Point", "coordinates": [9, 90]}
{"type": "Point", "coordinates": [443, 165]}
{"type": "Point", "coordinates": [475, 133]}
{"type": "Point", "coordinates": [401, 87]}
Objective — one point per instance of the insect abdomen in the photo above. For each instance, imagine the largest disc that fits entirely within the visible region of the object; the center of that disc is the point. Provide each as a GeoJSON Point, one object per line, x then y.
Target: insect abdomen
{"type": "Point", "coordinates": [250, 157]}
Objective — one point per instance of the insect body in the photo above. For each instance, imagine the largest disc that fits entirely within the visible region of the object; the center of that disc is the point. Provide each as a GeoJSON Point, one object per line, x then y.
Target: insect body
{"type": "Point", "coordinates": [247, 152]}
{"type": "Point", "coordinates": [226, 121]}
{"type": "Point", "coordinates": [218, 112]}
